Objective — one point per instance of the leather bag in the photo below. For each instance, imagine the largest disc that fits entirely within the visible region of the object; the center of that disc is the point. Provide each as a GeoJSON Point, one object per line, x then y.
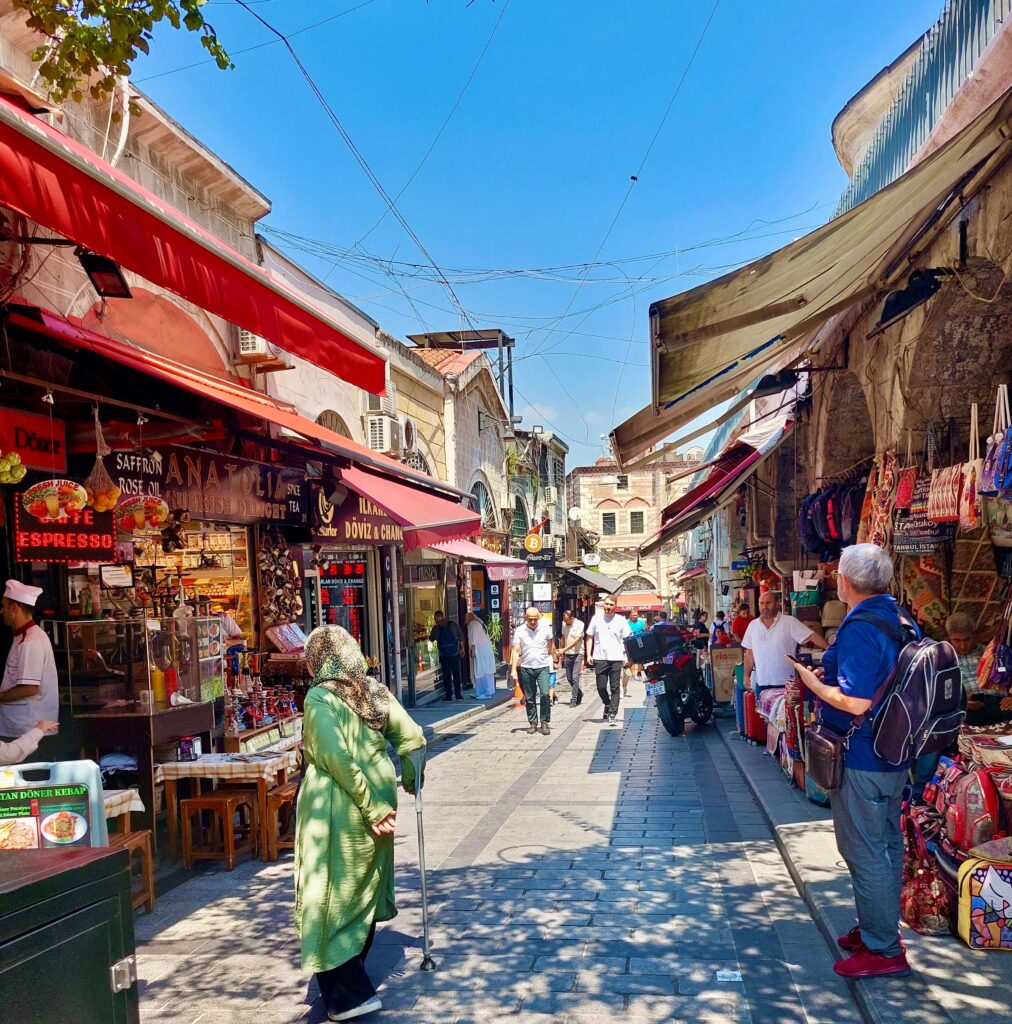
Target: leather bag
{"type": "Point", "coordinates": [824, 752]}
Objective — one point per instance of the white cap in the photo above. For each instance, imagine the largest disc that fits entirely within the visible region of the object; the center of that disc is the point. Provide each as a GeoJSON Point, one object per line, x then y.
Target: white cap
{"type": "Point", "coordinates": [22, 593]}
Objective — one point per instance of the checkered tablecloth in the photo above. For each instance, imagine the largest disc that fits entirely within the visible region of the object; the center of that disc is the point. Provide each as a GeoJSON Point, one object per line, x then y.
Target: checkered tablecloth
{"type": "Point", "coordinates": [228, 766]}
{"type": "Point", "coordinates": [119, 801]}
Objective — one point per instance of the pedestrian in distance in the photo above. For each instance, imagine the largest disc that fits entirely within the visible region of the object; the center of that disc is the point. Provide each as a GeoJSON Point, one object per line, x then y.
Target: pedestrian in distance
{"type": "Point", "coordinates": [449, 642]}
{"type": "Point", "coordinates": [607, 656]}
{"type": "Point", "coordinates": [346, 818]}
{"type": "Point", "coordinates": [573, 639]}
{"type": "Point", "coordinates": [866, 806]}
{"type": "Point", "coordinates": [718, 632]}
{"type": "Point", "coordinates": [482, 657]}
{"type": "Point", "coordinates": [638, 627]}
{"type": "Point", "coordinates": [740, 621]}
{"type": "Point", "coordinates": [768, 639]}
{"type": "Point", "coordinates": [534, 656]}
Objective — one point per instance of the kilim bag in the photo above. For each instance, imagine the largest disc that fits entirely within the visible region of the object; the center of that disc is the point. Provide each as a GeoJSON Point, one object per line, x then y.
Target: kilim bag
{"type": "Point", "coordinates": [946, 490]}
{"type": "Point", "coordinates": [971, 513]}
{"type": "Point", "coordinates": [988, 486]}
{"type": "Point", "coordinates": [906, 479]}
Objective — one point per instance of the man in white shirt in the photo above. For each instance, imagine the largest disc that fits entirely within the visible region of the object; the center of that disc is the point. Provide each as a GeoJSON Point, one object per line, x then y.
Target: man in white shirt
{"type": "Point", "coordinates": [572, 653]}
{"type": "Point", "coordinates": [768, 640]}
{"type": "Point", "coordinates": [533, 656]}
{"type": "Point", "coordinates": [607, 657]}
{"type": "Point", "coordinates": [28, 691]}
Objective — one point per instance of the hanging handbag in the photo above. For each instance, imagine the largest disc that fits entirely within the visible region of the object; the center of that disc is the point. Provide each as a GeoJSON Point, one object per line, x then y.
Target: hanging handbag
{"type": "Point", "coordinates": [946, 489]}
{"type": "Point", "coordinates": [971, 513]}
{"type": "Point", "coordinates": [906, 480]}
{"type": "Point", "coordinates": [917, 534]}
{"type": "Point", "coordinates": [988, 486]}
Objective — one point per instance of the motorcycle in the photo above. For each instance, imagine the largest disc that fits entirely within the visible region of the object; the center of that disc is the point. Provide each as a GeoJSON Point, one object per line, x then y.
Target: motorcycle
{"type": "Point", "coordinates": [673, 677]}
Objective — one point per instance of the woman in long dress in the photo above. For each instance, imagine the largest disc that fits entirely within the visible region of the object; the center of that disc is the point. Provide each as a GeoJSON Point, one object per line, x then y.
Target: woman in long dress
{"type": "Point", "coordinates": [482, 657]}
{"type": "Point", "coordinates": [346, 817]}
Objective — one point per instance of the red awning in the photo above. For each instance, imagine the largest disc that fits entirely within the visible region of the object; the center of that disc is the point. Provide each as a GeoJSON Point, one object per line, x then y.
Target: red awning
{"type": "Point", "coordinates": [425, 518]}
{"type": "Point", "coordinates": [692, 574]}
{"type": "Point", "coordinates": [233, 393]}
{"type": "Point", "coordinates": [499, 567]}
{"type": "Point", "coordinates": [56, 181]}
{"type": "Point", "coordinates": [645, 600]}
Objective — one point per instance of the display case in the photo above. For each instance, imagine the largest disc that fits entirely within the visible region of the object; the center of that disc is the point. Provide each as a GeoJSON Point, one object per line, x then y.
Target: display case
{"type": "Point", "coordinates": [140, 664]}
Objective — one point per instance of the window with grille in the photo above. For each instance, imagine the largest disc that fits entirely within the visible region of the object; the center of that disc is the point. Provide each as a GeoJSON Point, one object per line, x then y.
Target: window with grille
{"type": "Point", "coordinates": [635, 522]}
{"type": "Point", "coordinates": [608, 524]}
{"type": "Point", "coordinates": [519, 518]}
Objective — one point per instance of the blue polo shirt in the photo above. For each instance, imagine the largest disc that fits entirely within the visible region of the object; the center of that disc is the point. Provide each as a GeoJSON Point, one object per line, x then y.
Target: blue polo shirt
{"type": "Point", "coordinates": [861, 658]}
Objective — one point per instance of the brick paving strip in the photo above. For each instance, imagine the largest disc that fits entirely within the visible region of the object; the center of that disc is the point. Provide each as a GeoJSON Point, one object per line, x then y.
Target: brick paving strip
{"type": "Point", "coordinates": [596, 874]}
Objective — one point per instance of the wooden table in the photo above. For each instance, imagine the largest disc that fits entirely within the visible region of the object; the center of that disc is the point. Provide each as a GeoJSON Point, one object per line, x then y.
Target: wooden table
{"type": "Point", "coordinates": [119, 804]}
{"type": "Point", "coordinates": [267, 770]}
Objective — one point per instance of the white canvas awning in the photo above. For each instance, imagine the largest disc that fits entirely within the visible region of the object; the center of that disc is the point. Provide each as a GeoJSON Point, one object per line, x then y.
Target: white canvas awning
{"type": "Point", "coordinates": [708, 343]}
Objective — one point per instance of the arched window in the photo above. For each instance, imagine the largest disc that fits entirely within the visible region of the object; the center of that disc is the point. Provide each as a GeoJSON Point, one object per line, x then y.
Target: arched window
{"type": "Point", "coordinates": [635, 584]}
{"type": "Point", "coordinates": [333, 421]}
{"type": "Point", "coordinates": [416, 460]}
{"type": "Point", "coordinates": [520, 524]}
{"type": "Point", "coordinates": [485, 507]}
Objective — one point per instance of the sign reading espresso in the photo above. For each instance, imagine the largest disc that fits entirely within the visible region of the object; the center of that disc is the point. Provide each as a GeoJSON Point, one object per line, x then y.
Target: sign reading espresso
{"type": "Point", "coordinates": [84, 536]}
{"type": "Point", "coordinates": [355, 521]}
{"type": "Point", "coordinates": [213, 486]}
{"type": "Point", "coordinates": [40, 441]}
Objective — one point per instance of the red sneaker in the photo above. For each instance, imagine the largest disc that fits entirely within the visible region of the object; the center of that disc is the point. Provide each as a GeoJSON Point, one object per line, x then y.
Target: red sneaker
{"type": "Point", "coordinates": [866, 964]}
{"type": "Point", "coordinates": [851, 942]}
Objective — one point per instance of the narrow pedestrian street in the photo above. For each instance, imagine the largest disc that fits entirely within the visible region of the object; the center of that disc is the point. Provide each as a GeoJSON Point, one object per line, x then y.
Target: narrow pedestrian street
{"type": "Point", "coordinates": [594, 874]}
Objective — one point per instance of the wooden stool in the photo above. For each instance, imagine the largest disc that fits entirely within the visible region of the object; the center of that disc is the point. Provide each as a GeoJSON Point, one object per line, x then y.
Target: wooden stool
{"type": "Point", "coordinates": [281, 799]}
{"type": "Point", "coordinates": [142, 895]}
{"type": "Point", "coordinates": [219, 840]}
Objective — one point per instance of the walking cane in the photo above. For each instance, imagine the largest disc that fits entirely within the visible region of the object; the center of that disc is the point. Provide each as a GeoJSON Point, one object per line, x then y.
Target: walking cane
{"type": "Point", "coordinates": [417, 758]}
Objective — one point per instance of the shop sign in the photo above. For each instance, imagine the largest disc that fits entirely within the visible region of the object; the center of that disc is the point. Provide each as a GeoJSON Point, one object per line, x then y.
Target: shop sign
{"type": "Point", "coordinates": [355, 521]}
{"type": "Point", "coordinates": [740, 565]}
{"type": "Point", "coordinates": [44, 816]}
{"type": "Point", "coordinates": [213, 486]}
{"type": "Point", "coordinates": [84, 536]}
{"type": "Point", "coordinates": [544, 559]}
{"type": "Point", "coordinates": [422, 575]}
{"type": "Point", "coordinates": [40, 441]}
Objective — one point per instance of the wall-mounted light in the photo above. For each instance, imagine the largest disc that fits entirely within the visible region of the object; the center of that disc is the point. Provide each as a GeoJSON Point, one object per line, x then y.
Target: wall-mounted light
{"type": "Point", "coordinates": [105, 275]}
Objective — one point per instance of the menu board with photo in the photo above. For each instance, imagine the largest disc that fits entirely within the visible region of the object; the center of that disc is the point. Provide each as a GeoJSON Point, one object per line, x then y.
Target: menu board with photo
{"type": "Point", "coordinates": [42, 817]}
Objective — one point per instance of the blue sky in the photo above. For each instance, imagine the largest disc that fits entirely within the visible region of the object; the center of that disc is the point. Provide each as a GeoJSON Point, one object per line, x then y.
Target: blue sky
{"type": "Point", "coordinates": [533, 166]}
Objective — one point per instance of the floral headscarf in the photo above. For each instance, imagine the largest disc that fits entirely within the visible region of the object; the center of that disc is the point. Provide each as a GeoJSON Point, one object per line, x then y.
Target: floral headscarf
{"type": "Point", "coordinates": [337, 664]}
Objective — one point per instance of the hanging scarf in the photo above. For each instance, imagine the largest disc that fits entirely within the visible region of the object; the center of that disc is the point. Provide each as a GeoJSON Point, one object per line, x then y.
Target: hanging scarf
{"type": "Point", "coordinates": [337, 664]}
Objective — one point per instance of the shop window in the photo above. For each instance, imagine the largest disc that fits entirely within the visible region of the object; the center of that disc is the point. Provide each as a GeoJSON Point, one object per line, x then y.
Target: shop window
{"type": "Point", "coordinates": [608, 524]}
{"type": "Point", "coordinates": [622, 482]}
{"type": "Point", "coordinates": [635, 522]}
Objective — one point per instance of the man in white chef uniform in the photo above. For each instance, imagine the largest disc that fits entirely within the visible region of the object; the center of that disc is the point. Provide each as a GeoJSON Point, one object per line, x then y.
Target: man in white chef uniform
{"type": "Point", "coordinates": [28, 692]}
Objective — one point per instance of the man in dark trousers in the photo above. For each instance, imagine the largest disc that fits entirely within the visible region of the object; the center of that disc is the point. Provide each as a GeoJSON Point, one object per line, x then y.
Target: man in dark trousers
{"type": "Point", "coordinates": [450, 643]}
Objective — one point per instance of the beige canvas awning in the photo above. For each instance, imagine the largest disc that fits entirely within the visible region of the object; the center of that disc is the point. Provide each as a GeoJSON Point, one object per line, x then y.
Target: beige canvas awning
{"type": "Point", "coordinates": [708, 343]}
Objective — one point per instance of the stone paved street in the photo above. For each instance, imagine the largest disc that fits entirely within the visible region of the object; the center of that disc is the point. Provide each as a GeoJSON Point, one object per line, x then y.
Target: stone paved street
{"type": "Point", "coordinates": [596, 874]}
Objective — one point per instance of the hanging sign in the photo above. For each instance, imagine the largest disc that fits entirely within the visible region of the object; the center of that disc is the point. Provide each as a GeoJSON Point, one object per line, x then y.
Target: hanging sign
{"type": "Point", "coordinates": [355, 521]}
{"type": "Point", "coordinates": [40, 441]}
{"type": "Point", "coordinates": [212, 486]}
{"type": "Point", "coordinates": [544, 559]}
{"type": "Point", "coordinates": [82, 536]}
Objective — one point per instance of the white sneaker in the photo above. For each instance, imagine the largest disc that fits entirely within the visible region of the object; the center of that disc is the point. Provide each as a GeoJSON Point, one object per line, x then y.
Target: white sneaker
{"type": "Point", "coordinates": [369, 1006]}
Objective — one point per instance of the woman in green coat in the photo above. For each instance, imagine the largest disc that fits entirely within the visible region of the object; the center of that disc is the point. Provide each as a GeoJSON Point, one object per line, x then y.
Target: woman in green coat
{"type": "Point", "coordinates": [347, 812]}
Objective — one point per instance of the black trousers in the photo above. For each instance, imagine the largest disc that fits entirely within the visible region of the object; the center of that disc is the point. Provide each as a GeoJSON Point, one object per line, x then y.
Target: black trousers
{"type": "Point", "coordinates": [609, 675]}
{"type": "Point", "coordinates": [347, 986]}
{"type": "Point", "coordinates": [451, 676]}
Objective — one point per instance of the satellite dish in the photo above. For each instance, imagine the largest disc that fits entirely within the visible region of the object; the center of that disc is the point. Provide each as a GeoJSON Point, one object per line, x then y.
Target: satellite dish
{"type": "Point", "coordinates": [591, 558]}
{"type": "Point", "coordinates": [575, 515]}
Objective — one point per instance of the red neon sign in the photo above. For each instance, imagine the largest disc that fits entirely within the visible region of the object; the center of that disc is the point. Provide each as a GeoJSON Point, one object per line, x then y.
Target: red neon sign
{"type": "Point", "coordinates": [85, 536]}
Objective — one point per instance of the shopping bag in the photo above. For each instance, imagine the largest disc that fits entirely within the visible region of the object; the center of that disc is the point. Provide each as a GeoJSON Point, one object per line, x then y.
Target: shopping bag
{"type": "Point", "coordinates": [971, 513]}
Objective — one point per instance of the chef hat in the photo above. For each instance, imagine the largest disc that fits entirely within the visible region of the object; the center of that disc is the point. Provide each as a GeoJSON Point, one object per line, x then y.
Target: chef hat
{"type": "Point", "coordinates": [22, 593]}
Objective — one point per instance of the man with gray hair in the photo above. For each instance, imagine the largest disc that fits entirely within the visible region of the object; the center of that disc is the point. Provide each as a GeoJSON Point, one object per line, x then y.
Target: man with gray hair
{"type": "Point", "coordinates": [866, 806]}
{"type": "Point", "coordinates": [533, 656]}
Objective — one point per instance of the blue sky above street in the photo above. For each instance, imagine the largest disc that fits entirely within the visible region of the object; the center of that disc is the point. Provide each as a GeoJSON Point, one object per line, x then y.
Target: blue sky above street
{"type": "Point", "coordinates": [536, 160]}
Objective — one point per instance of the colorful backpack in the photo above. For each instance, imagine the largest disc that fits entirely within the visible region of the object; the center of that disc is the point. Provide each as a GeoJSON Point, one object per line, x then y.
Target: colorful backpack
{"type": "Point", "coordinates": [984, 916]}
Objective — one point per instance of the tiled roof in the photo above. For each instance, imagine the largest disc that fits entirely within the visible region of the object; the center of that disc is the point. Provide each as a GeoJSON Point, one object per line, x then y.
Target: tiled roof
{"type": "Point", "coordinates": [446, 360]}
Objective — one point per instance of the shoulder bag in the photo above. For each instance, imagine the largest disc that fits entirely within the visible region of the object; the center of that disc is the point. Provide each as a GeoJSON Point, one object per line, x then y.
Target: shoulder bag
{"type": "Point", "coordinates": [988, 486]}
{"type": "Point", "coordinates": [906, 479]}
{"type": "Point", "coordinates": [971, 514]}
{"type": "Point", "coordinates": [946, 489]}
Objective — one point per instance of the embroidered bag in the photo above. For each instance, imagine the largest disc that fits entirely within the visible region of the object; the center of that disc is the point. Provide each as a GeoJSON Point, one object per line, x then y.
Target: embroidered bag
{"type": "Point", "coordinates": [946, 489]}
{"type": "Point", "coordinates": [906, 479]}
{"type": "Point", "coordinates": [971, 514]}
{"type": "Point", "coordinates": [988, 486]}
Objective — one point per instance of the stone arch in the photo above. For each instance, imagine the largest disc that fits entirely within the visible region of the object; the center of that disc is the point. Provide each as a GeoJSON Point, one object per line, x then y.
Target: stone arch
{"type": "Point", "coordinates": [846, 428]}
{"type": "Point", "coordinates": [608, 503]}
{"type": "Point", "coordinates": [637, 502]}
{"type": "Point", "coordinates": [484, 501]}
{"type": "Point", "coordinates": [636, 581]}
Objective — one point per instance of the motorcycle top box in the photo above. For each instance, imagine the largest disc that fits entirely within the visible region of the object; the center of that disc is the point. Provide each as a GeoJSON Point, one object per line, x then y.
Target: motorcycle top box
{"type": "Point", "coordinates": [653, 645]}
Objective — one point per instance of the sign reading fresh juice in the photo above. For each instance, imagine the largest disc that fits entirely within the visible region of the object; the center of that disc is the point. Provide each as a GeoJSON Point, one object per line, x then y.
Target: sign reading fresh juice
{"type": "Point", "coordinates": [40, 441]}
{"type": "Point", "coordinates": [78, 536]}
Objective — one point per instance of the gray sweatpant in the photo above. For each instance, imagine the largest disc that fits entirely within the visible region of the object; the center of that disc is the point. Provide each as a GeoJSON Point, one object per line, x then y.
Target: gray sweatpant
{"type": "Point", "coordinates": [866, 817]}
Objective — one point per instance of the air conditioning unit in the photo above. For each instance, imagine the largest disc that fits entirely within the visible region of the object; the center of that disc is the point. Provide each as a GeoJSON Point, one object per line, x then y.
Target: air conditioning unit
{"type": "Point", "coordinates": [383, 434]}
{"type": "Point", "coordinates": [551, 496]}
{"type": "Point", "coordinates": [253, 349]}
{"type": "Point", "coordinates": [383, 403]}
{"type": "Point", "coordinates": [409, 434]}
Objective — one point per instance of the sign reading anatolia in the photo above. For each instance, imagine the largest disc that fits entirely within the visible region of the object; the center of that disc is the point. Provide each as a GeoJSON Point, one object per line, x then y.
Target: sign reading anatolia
{"type": "Point", "coordinates": [355, 521]}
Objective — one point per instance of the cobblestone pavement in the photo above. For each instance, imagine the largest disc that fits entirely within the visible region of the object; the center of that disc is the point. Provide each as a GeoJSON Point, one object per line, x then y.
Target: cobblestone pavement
{"type": "Point", "coordinates": [595, 874]}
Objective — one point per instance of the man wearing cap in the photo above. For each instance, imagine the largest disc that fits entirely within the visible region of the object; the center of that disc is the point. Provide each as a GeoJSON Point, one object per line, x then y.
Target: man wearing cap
{"type": "Point", "coordinates": [28, 691]}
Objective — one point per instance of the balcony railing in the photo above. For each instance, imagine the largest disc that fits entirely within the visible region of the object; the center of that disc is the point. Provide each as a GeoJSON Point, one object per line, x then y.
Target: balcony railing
{"type": "Point", "coordinates": [948, 54]}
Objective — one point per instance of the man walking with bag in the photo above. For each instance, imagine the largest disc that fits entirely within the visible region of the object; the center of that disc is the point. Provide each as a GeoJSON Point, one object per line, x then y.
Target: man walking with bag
{"type": "Point", "coordinates": [533, 655]}
{"type": "Point", "coordinates": [607, 657]}
{"type": "Point", "coordinates": [866, 805]}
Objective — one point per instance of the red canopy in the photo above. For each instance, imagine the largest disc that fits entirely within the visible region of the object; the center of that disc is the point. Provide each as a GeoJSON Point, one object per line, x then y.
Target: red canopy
{"type": "Point", "coordinates": [499, 567]}
{"type": "Point", "coordinates": [644, 600]}
{"type": "Point", "coordinates": [425, 519]}
{"type": "Point", "coordinates": [62, 185]}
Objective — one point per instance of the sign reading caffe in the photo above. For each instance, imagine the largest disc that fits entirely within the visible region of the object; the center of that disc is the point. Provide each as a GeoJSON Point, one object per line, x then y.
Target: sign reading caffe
{"type": "Point", "coordinates": [355, 521]}
{"type": "Point", "coordinates": [213, 486]}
